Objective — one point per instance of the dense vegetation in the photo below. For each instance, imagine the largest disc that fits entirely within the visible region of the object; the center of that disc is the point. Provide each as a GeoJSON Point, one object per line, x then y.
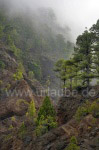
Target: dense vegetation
{"type": "Point", "coordinates": [46, 119]}
{"type": "Point", "coordinates": [73, 144]}
{"type": "Point", "coordinates": [29, 43]}
{"type": "Point", "coordinates": [27, 46]}
{"type": "Point", "coordinates": [83, 67]}
{"type": "Point", "coordinates": [88, 108]}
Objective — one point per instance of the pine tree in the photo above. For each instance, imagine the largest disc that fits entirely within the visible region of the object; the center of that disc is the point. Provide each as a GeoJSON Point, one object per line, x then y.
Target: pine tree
{"type": "Point", "coordinates": [59, 69]}
{"type": "Point", "coordinates": [67, 71]}
{"type": "Point", "coordinates": [46, 119]}
{"type": "Point", "coordinates": [95, 31]}
{"type": "Point", "coordinates": [31, 109]}
{"type": "Point", "coordinates": [84, 51]}
{"type": "Point", "coordinates": [84, 66]}
{"type": "Point", "coordinates": [46, 109]}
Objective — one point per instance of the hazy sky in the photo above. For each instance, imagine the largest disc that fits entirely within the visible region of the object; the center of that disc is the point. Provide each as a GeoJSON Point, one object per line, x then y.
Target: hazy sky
{"type": "Point", "coordinates": [77, 14]}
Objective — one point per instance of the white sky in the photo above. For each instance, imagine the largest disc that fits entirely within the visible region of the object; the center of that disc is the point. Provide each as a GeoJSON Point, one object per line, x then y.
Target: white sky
{"type": "Point", "coordinates": [77, 14]}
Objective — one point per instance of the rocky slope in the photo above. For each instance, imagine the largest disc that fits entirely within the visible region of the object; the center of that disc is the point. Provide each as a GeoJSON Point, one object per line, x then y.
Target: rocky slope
{"type": "Point", "coordinates": [67, 106]}
{"type": "Point", "coordinates": [15, 95]}
{"type": "Point", "coordinates": [86, 132]}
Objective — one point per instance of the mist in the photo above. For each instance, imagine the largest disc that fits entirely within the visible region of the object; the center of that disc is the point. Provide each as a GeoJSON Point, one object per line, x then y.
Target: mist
{"type": "Point", "coordinates": [72, 14]}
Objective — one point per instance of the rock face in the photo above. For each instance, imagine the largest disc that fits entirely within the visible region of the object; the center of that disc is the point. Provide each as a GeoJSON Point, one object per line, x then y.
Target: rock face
{"type": "Point", "coordinates": [14, 99]}
{"type": "Point", "coordinates": [14, 95]}
{"type": "Point", "coordinates": [59, 138]}
{"type": "Point", "coordinates": [67, 106]}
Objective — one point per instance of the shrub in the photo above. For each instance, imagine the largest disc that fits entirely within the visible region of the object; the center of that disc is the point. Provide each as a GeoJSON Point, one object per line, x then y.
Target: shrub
{"type": "Point", "coordinates": [45, 125]}
{"type": "Point", "coordinates": [31, 75]}
{"type": "Point", "coordinates": [13, 118]}
{"type": "Point", "coordinates": [81, 112]}
{"type": "Point", "coordinates": [20, 101]}
{"type": "Point", "coordinates": [46, 119]}
{"type": "Point", "coordinates": [8, 86]}
{"type": "Point", "coordinates": [87, 108]}
{"type": "Point", "coordinates": [11, 127]}
{"type": "Point", "coordinates": [22, 131]}
{"type": "Point", "coordinates": [2, 64]}
{"type": "Point", "coordinates": [1, 31]}
{"type": "Point", "coordinates": [21, 67]}
{"type": "Point", "coordinates": [1, 82]}
{"type": "Point", "coordinates": [31, 109]}
{"type": "Point", "coordinates": [18, 75]}
{"type": "Point", "coordinates": [73, 144]}
{"type": "Point", "coordinates": [32, 66]}
{"type": "Point", "coordinates": [40, 130]}
{"type": "Point", "coordinates": [94, 109]}
{"type": "Point", "coordinates": [46, 109]}
{"type": "Point", "coordinates": [7, 137]}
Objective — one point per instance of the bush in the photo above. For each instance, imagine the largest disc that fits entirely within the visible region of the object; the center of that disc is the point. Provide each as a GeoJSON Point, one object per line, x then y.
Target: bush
{"type": "Point", "coordinates": [46, 119]}
{"type": "Point", "coordinates": [18, 75]}
{"type": "Point", "coordinates": [46, 109]}
{"type": "Point", "coordinates": [94, 109]}
{"type": "Point", "coordinates": [32, 66]}
{"type": "Point", "coordinates": [80, 113]}
{"type": "Point", "coordinates": [73, 144]}
{"type": "Point", "coordinates": [87, 108]}
{"type": "Point", "coordinates": [9, 41]}
{"type": "Point", "coordinates": [31, 75]}
{"type": "Point", "coordinates": [31, 109]}
{"type": "Point", "coordinates": [20, 101]}
{"type": "Point", "coordinates": [40, 130]}
{"type": "Point", "coordinates": [22, 131]}
{"type": "Point", "coordinates": [2, 64]}
{"type": "Point", "coordinates": [10, 127]}
{"type": "Point", "coordinates": [45, 125]}
{"type": "Point", "coordinates": [1, 82]}
{"type": "Point", "coordinates": [21, 67]}
{"type": "Point", "coordinates": [13, 118]}
{"type": "Point", "coordinates": [7, 137]}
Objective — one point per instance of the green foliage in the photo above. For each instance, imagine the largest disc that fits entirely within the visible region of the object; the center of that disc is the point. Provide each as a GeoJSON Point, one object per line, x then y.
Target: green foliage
{"type": "Point", "coordinates": [81, 112]}
{"type": "Point", "coordinates": [22, 131]}
{"type": "Point", "coordinates": [31, 75]}
{"type": "Point", "coordinates": [2, 64]}
{"type": "Point", "coordinates": [16, 51]}
{"type": "Point", "coordinates": [13, 118]}
{"type": "Point", "coordinates": [21, 67]}
{"type": "Point", "coordinates": [1, 82]}
{"type": "Point", "coordinates": [19, 101]}
{"type": "Point", "coordinates": [67, 71]}
{"type": "Point", "coordinates": [46, 109]}
{"type": "Point", "coordinates": [31, 109]}
{"type": "Point", "coordinates": [35, 69]}
{"type": "Point", "coordinates": [18, 75]}
{"type": "Point", "coordinates": [45, 125]}
{"type": "Point", "coordinates": [87, 108]}
{"type": "Point", "coordinates": [46, 117]}
{"type": "Point", "coordinates": [9, 34]}
{"type": "Point", "coordinates": [84, 66]}
{"type": "Point", "coordinates": [73, 144]}
{"type": "Point", "coordinates": [10, 127]}
{"type": "Point", "coordinates": [40, 130]}
{"type": "Point", "coordinates": [94, 109]}
{"type": "Point", "coordinates": [7, 137]}
{"type": "Point", "coordinates": [30, 46]}
{"type": "Point", "coordinates": [1, 31]}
